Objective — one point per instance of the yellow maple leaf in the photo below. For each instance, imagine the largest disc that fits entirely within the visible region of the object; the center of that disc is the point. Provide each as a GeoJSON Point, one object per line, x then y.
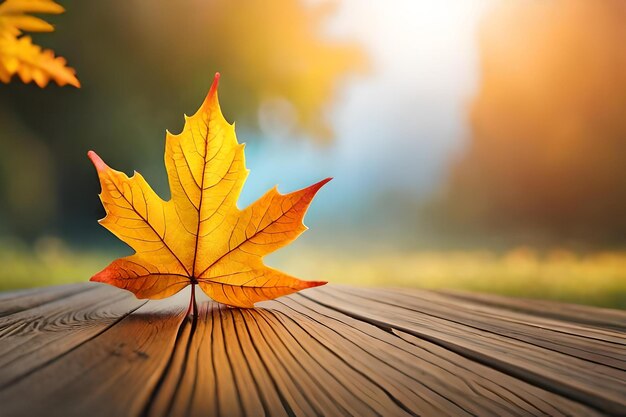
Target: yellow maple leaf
{"type": "Point", "coordinates": [18, 55]}
{"type": "Point", "coordinates": [200, 236]}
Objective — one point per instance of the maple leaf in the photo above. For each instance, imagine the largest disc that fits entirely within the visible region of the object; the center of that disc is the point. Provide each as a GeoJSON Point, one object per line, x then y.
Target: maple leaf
{"type": "Point", "coordinates": [200, 236]}
{"type": "Point", "coordinates": [18, 55]}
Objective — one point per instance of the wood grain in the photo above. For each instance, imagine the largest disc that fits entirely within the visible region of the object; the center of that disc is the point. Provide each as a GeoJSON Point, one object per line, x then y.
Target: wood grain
{"type": "Point", "coordinates": [16, 301]}
{"type": "Point", "coordinates": [464, 333]}
{"type": "Point", "coordinates": [334, 351]}
{"type": "Point", "coordinates": [572, 313]}
{"type": "Point", "coordinates": [32, 338]}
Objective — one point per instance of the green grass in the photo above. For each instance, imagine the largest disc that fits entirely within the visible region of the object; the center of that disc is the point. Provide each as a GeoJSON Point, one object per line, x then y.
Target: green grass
{"type": "Point", "coordinates": [50, 262]}
{"type": "Point", "coordinates": [595, 279]}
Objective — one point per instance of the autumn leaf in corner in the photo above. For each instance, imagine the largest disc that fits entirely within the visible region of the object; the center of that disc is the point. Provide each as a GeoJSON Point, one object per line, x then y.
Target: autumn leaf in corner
{"type": "Point", "coordinates": [199, 236]}
{"type": "Point", "coordinates": [18, 54]}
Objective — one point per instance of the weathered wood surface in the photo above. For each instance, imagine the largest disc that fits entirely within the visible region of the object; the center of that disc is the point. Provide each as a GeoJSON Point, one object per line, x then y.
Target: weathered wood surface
{"type": "Point", "coordinates": [93, 350]}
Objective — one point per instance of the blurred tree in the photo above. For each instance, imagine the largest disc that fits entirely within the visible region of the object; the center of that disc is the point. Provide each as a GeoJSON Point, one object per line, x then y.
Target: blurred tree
{"type": "Point", "coordinates": [548, 142]}
{"type": "Point", "coordinates": [141, 64]}
{"type": "Point", "coordinates": [27, 183]}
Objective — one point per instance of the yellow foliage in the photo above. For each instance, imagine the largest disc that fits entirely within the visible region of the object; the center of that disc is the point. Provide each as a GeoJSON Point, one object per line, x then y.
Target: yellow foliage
{"type": "Point", "coordinates": [200, 236]}
{"type": "Point", "coordinates": [18, 55]}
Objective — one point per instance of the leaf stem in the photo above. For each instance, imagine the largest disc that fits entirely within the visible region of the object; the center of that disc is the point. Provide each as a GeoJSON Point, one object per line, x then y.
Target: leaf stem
{"type": "Point", "coordinates": [193, 306]}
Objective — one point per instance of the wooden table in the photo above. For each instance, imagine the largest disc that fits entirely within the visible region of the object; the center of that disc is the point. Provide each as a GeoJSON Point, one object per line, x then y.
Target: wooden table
{"type": "Point", "coordinates": [94, 350]}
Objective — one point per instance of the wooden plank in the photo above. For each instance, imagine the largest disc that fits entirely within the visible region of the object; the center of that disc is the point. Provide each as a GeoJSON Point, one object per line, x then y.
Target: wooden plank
{"type": "Point", "coordinates": [342, 382]}
{"type": "Point", "coordinates": [222, 373]}
{"type": "Point", "coordinates": [298, 396]}
{"type": "Point", "coordinates": [407, 390]}
{"type": "Point", "coordinates": [303, 372]}
{"type": "Point", "coordinates": [289, 386]}
{"type": "Point", "coordinates": [113, 373]}
{"type": "Point", "coordinates": [574, 313]}
{"type": "Point", "coordinates": [16, 301]}
{"type": "Point", "coordinates": [606, 347]}
{"type": "Point", "coordinates": [326, 351]}
{"type": "Point", "coordinates": [33, 338]}
{"type": "Point", "coordinates": [596, 385]}
{"type": "Point", "coordinates": [233, 391]}
{"type": "Point", "coordinates": [535, 318]}
{"type": "Point", "coordinates": [474, 387]}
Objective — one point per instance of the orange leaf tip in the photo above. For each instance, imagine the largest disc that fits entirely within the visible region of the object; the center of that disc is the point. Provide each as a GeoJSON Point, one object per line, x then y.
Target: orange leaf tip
{"type": "Point", "coordinates": [325, 180]}
{"type": "Point", "coordinates": [216, 81]}
{"type": "Point", "coordinates": [311, 284]}
{"type": "Point", "coordinates": [97, 161]}
{"type": "Point", "coordinates": [315, 187]}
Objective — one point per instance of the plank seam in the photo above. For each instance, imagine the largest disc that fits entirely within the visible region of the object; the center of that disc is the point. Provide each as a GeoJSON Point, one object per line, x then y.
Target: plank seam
{"type": "Point", "coordinates": [289, 353]}
{"type": "Point", "coordinates": [281, 395]}
{"type": "Point", "coordinates": [157, 388]}
{"type": "Point", "coordinates": [192, 394]}
{"type": "Point", "coordinates": [395, 335]}
{"type": "Point", "coordinates": [9, 313]}
{"type": "Point", "coordinates": [477, 326]}
{"type": "Point", "coordinates": [375, 357]}
{"type": "Point", "coordinates": [52, 360]}
{"type": "Point", "coordinates": [236, 383]}
{"type": "Point", "coordinates": [598, 404]}
{"type": "Point", "coordinates": [247, 364]}
{"type": "Point", "coordinates": [383, 389]}
{"type": "Point", "coordinates": [536, 304]}
{"type": "Point", "coordinates": [507, 316]}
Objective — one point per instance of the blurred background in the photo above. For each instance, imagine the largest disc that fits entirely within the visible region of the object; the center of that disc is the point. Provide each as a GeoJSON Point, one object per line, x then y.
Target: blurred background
{"type": "Point", "coordinates": [475, 144]}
